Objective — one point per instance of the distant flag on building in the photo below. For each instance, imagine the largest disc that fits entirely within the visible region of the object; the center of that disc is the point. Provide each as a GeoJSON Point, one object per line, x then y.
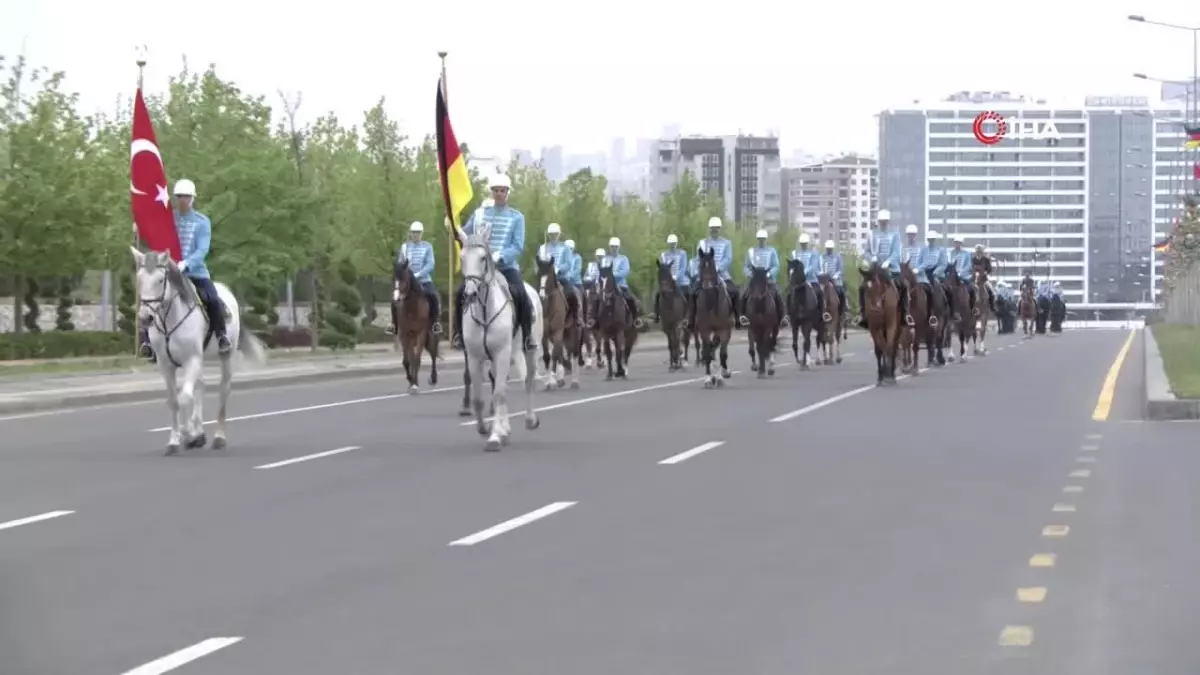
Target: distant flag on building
{"type": "Point", "coordinates": [1192, 138]}
{"type": "Point", "coordinates": [149, 200]}
{"type": "Point", "coordinates": [452, 168]}
{"type": "Point", "coordinates": [1163, 246]}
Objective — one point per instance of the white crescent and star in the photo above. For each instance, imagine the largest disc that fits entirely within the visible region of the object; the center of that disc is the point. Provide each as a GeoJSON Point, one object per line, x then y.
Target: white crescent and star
{"type": "Point", "coordinates": [138, 146]}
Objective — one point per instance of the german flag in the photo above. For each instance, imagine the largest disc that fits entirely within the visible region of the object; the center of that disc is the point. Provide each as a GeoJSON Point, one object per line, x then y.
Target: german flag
{"type": "Point", "coordinates": [1192, 138]}
{"type": "Point", "coordinates": [1163, 246]}
{"type": "Point", "coordinates": [452, 169]}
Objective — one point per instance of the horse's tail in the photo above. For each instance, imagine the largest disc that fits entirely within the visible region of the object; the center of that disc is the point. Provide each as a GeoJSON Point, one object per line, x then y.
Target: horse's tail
{"type": "Point", "coordinates": [252, 349]}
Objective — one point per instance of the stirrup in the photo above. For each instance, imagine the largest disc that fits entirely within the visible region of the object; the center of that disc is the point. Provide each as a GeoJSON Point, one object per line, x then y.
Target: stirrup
{"type": "Point", "coordinates": [826, 317]}
{"type": "Point", "coordinates": [390, 330]}
{"type": "Point", "coordinates": [437, 328]}
{"type": "Point", "coordinates": [743, 321]}
{"type": "Point", "coordinates": [908, 319]}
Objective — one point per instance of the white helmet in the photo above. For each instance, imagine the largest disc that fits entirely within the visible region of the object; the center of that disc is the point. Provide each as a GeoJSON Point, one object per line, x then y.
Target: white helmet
{"type": "Point", "coordinates": [828, 243]}
{"type": "Point", "coordinates": [570, 243]}
{"type": "Point", "coordinates": [978, 247]}
{"type": "Point", "coordinates": [499, 181]}
{"type": "Point", "coordinates": [416, 227]}
{"type": "Point", "coordinates": [614, 242]}
{"type": "Point", "coordinates": [933, 234]}
{"type": "Point", "coordinates": [672, 239]}
{"type": "Point", "coordinates": [804, 238]}
{"type": "Point", "coordinates": [185, 188]}
{"type": "Point", "coordinates": [599, 253]}
{"type": "Point", "coordinates": [553, 228]}
{"type": "Point", "coordinates": [910, 229]}
{"type": "Point", "coordinates": [884, 214]}
{"type": "Point", "coordinates": [761, 234]}
{"type": "Point", "coordinates": [957, 239]}
{"type": "Point", "coordinates": [714, 222]}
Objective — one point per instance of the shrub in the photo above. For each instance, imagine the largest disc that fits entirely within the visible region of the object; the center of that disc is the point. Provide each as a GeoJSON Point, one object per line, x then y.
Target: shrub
{"type": "Point", "coordinates": [63, 344]}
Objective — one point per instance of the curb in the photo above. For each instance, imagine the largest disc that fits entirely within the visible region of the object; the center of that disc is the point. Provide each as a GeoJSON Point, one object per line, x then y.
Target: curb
{"type": "Point", "coordinates": [1159, 403]}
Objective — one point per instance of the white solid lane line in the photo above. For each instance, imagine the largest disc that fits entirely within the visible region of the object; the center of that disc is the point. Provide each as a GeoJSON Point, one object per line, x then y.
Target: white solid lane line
{"type": "Point", "coordinates": [688, 454]}
{"type": "Point", "coordinates": [184, 656]}
{"type": "Point", "coordinates": [305, 458]}
{"type": "Point", "coordinates": [34, 519]}
{"type": "Point", "coordinates": [508, 525]}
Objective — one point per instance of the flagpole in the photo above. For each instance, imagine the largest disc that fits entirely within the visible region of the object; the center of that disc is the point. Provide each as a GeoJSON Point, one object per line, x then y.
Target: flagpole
{"type": "Point", "coordinates": [141, 65]}
{"type": "Point", "coordinates": [449, 221]}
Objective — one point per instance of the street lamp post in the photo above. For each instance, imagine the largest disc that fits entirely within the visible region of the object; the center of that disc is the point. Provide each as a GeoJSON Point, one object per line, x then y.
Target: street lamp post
{"type": "Point", "coordinates": [1192, 103]}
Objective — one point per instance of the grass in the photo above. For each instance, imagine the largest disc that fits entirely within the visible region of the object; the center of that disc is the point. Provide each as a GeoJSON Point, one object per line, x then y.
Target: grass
{"type": "Point", "coordinates": [1180, 349]}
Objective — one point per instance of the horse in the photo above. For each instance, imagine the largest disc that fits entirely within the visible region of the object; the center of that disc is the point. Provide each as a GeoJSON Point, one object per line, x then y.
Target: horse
{"type": "Point", "coordinates": [560, 332]}
{"type": "Point", "coordinates": [488, 330]}
{"type": "Point", "coordinates": [919, 328]}
{"type": "Point", "coordinates": [587, 336]}
{"type": "Point", "coordinates": [1058, 312]}
{"type": "Point", "coordinates": [412, 325]}
{"type": "Point", "coordinates": [179, 333]}
{"type": "Point", "coordinates": [830, 339]}
{"type": "Point", "coordinates": [672, 315]}
{"type": "Point", "coordinates": [714, 319]}
{"type": "Point", "coordinates": [965, 326]}
{"type": "Point", "coordinates": [883, 322]}
{"type": "Point", "coordinates": [762, 332]}
{"type": "Point", "coordinates": [985, 312]}
{"type": "Point", "coordinates": [613, 321]}
{"type": "Point", "coordinates": [1027, 310]}
{"type": "Point", "coordinates": [802, 312]}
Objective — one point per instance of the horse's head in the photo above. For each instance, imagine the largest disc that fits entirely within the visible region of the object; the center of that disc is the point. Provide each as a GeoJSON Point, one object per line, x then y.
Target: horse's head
{"type": "Point", "coordinates": [906, 273]}
{"type": "Point", "coordinates": [952, 275]}
{"type": "Point", "coordinates": [403, 279]}
{"type": "Point", "coordinates": [666, 280]}
{"type": "Point", "coordinates": [159, 283]}
{"type": "Point", "coordinates": [981, 276]}
{"type": "Point", "coordinates": [796, 275]}
{"type": "Point", "coordinates": [547, 274]}
{"type": "Point", "coordinates": [478, 267]}
{"type": "Point", "coordinates": [759, 278]}
{"type": "Point", "coordinates": [608, 282]}
{"type": "Point", "coordinates": [708, 268]}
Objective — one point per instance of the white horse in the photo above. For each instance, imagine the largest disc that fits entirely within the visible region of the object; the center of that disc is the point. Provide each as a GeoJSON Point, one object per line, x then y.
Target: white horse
{"type": "Point", "coordinates": [177, 324]}
{"type": "Point", "coordinates": [487, 330]}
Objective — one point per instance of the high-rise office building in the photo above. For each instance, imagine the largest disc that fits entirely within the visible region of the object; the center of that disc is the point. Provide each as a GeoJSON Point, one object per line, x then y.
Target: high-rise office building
{"type": "Point", "coordinates": [743, 170]}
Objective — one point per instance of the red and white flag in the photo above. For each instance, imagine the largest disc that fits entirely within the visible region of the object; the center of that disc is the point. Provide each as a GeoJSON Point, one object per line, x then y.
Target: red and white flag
{"type": "Point", "coordinates": [148, 195]}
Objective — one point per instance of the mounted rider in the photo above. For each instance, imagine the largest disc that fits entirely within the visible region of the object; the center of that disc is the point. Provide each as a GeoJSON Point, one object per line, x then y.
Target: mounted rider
{"type": "Point", "coordinates": [195, 238]}
{"type": "Point", "coordinates": [420, 257]}
{"type": "Point", "coordinates": [812, 266]}
{"type": "Point", "coordinates": [677, 259]}
{"type": "Point", "coordinates": [620, 269]}
{"type": "Point", "coordinates": [593, 270]}
{"type": "Point", "coordinates": [564, 262]}
{"type": "Point", "coordinates": [910, 250]}
{"type": "Point", "coordinates": [722, 250]}
{"type": "Point", "coordinates": [507, 244]}
{"type": "Point", "coordinates": [982, 261]}
{"type": "Point", "coordinates": [1004, 291]}
{"type": "Point", "coordinates": [831, 264]}
{"type": "Point", "coordinates": [1028, 282]}
{"type": "Point", "coordinates": [575, 276]}
{"type": "Point", "coordinates": [960, 258]}
{"type": "Point", "coordinates": [883, 247]}
{"type": "Point", "coordinates": [931, 270]}
{"type": "Point", "coordinates": [1044, 291]}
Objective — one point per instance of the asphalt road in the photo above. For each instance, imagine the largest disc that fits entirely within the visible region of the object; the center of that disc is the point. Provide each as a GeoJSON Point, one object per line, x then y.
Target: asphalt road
{"type": "Point", "coordinates": [659, 528]}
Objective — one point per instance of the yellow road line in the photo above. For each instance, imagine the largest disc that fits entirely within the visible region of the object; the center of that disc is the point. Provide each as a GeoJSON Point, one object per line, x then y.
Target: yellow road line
{"type": "Point", "coordinates": [1016, 636]}
{"type": "Point", "coordinates": [1104, 403]}
{"type": "Point", "coordinates": [1034, 594]}
{"type": "Point", "coordinates": [1042, 560]}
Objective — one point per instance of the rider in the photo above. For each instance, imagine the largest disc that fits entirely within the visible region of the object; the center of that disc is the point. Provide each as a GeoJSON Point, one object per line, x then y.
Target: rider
{"type": "Point", "coordinates": [507, 244]}
{"type": "Point", "coordinates": [593, 269]}
{"type": "Point", "coordinates": [678, 260]}
{"type": "Point", "coordinates": [195, 237]}
{"type": "Point", "coordinates": [620, 269]}
{"type": "Point", "coordinates": [419, 255]}
{"type": "Point", "coordinates": [982, 261]}
{"type": "Point", "coordinates": [960, 258]}
{"type": "Point", "coordinates": [883, 246]}
{"type": "Point", "coordinates": [931, 264]}
{"type": "Point", "coordinates": [564, 262]}
{"type": "Point", "coordinates": [1028, 282]}
{"type": "Point", "coordinates": [767, 257]}
{"type": "Point", "coordinates": [812, 266]}
{"type": "Point", "coordinates": [722, 250]}
{"type": "Point", "coordinates": [575, 278]}
{"type": "Point", "coordinates": [831, 264]}
{"type": "Point", "coordinates": [1043, 290]}
{"type": "Point", "coordinates": [1004, 291]}
{"type": "Point", "coordinates": [910, 249]}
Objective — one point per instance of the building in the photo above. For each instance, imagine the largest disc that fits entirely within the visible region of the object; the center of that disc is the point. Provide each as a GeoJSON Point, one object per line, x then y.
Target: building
{"type": "Point", "coordinates": [1077, 201]}
{"type": "Point", "coordinates": [833, 199]}
{"type": "Point", "coordinates": [743, 170]}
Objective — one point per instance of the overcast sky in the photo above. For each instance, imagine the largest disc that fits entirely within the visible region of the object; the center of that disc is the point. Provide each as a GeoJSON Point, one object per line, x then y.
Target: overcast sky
{"type": "Point", "coordinates": [528, 73]}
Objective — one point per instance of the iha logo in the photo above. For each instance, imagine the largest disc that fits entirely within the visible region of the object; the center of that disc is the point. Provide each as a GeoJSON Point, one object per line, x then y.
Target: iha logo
{"type": "Point", "coordinates": [990, 128]}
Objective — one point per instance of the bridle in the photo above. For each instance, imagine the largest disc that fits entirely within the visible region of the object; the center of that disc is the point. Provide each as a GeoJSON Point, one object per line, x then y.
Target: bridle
{"type": "Point", "coordinates": [161, 307]}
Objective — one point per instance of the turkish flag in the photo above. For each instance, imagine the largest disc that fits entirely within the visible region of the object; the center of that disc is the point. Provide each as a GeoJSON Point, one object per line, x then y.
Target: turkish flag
{"type": "Point", "coordinates": [148, 196]}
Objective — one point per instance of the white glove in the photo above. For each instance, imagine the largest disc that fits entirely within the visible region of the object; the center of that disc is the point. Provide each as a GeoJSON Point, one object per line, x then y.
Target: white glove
{"type": "Point", "coordinates": [496, 257]}
{"type": "Point", "coordinates": [182, 267]}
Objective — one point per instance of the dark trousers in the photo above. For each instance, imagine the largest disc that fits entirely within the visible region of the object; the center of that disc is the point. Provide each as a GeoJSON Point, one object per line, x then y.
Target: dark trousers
{"type": "Point", "coordinates": [435, 305]}
{"type": "Point", "coordinates": [516, 288]}
{"type": "Point", "coordinates": [212, 302]}
{"type": "Point", "coordinates": [573, 294]}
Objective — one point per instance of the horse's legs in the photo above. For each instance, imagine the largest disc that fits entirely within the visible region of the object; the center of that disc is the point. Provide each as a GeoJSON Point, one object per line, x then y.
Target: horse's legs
{"type": "Point", "coordinates": [220, 439]}
{"type": "Point", "coordinates": [559, 359]}
{"type": "Point", "coordinates": [608, 356]}
{"type": "Point", "coordinates": [190, 372]}
{"type": "Point", "coordinates": [620, 347]}
{"type": "Point", "coordinates": [431, 345]}
{"type": "Point", "coordinates": [474, 378]}
{"type": "Point", "coordinates": [878, 364]}
{"type": "Point", "coordinates": [724, 342]}
{"type": "Point", "coordinates": [807, 358]}
{"type": "Point", "coordinates": [500, 423]}
{"type": "Point", "coordinates": [531, 417]}
{"type": "Point", "coordinates": [169, 379]}
{"type": "Point", "coordinates": [467, 379]}
{"type": "Point", "coordinates": [796, 340]}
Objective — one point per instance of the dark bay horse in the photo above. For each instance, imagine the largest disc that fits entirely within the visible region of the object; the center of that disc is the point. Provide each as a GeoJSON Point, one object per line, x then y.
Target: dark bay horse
{"type": "Point", "coordinates": [714, 319]}
{"type": "Point", "coordinates": [829, 341]}
{"type": "Point", "coordinates": [560, 338]}
{"type": "Point", "coordinates": [918, 328]}
{"type": "Point", "coordinates": [613, 320]}
{"type": "Point", "coordinates": [965, 325]}
{"type": "Point", "coordinates": [985, 310]}
{"type": "Point", "coordinates": [763, 331]}
{"type": "Point", "coordinates": [1027, 310]}
{"type": "Point", "coordinates": [413, 332]}
{"type": "Point", "coordinates": [672, 315]}
{"type": "Point", "coordinates": [883, 321]}
{"type": "Point", "coordinates": [802, 312]}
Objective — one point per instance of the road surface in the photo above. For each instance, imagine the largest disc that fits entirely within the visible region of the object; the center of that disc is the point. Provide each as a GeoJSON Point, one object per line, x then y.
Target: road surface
{"type": "Point", "coordinates": [810, 523]}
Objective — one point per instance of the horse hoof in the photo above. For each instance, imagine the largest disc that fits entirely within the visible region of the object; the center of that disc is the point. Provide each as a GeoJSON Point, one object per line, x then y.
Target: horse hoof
{"type": "Point", "coordinates": [219, 443]}
{"type": "Point", "coordinates": [532, 423]}
{"type": "Point", "coordinates": [950, 359]}
{"type": "Point", "coordinates": [725, 374]}
{"type": "Point", "coordinates": [198, 442]}
{"type": "Point", "coordinates": [838, 359]}
{"type": "Point", "coordinates": [492, 446]}
{"type": "Point", "coordinates": [608, 378]}
{"type": "Point", "coordinates": [770, 372]}
{"type": "Point", "coordinates": [720, 383]}
{"type": "Point", "coordinates": [172, 449]}
{"type": "Point", "coordinates": [622, 376]}
{"type": "Point", "coordinates": [561, 383]}
{"type": "Point", "coordinates": [414, 389]}
{"type": "Point", "coordinates": [708, 384]}
{"type": "Point", "coordinates": [505, 440]}
{"type": "Point", "coordinates": [761, 375]}
{"type": "Point", "coordinates": [805, 366]}
{"type": "Point", "coordinates": [465, 412]}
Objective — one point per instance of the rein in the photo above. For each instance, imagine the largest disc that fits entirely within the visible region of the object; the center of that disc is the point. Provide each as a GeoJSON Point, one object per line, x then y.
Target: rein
{"type": "Point", "coordinates": [484, 283]}
{"type": "Point", "coordinates": [161, 309]}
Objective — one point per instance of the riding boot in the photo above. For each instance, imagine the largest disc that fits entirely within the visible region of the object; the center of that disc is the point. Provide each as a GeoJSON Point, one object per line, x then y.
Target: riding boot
{"type": "Point", "coordinates": [740, 310]}
{"type": "Point", "coordinates": [692, 307]}
{"type": "Point", "coordinates": [456, 341]}
{"type": "Point", "coordinates": [779, 313]}
{"type": "Point", "coordinates": [216, 319]}
{"type": "Point", "coordinates": [657, 317]}
{"type": "Point", "coordinates": [526, 318]}
{"type": "Point", "coordinates": [144, 349]}
{"type": "Point", "coordinates": [395, 325]}
{"type": "Point", "coordinates": [903, 304]}
{"type": "Point", "coordinates": [572, 304]}
{"type": "Point", "coordinates": [950, 303]}
{"type": "Point", "coordinates": [820, 302]}
{"type": "Point", "coordinates": [862, 305]}
{"type": "Point", "coordinates": [635, 308]}
{"type": "Point", "coordinates": [435, 312]}
{"type": "Point", "coordinates": [971, 296]}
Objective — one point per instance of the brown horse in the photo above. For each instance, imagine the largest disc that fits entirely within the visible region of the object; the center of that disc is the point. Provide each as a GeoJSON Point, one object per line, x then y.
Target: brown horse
{"type": "Point", "coordinates": [672, 310]}
{"type": "Point", "coordinates": [1027, 310]}
{"type": "Point", "coordinates": [613, 320]}
{"type": "Point", "coordinates": [802, 312]}
{"type": "Point", "coordinates": [413, 332]}
{"type": "Point", "coordinates": [918, 329]}
{"type": "Point", "coordinates": [714, 319]}
{"type": "Point", "coordinates": [985, 311]}
{"type": "Point", "coordinates": [964, 326]}
{"type": "Point", "coordinates": [560, 334]}
{"type": "Point", "coordinates": [883, 322]}
{"type": "Point", "coordinates": [829, 341]}
{"type": "Point", "coordinates": [589, 340]}
{"type": "Point", "coordinates": [764, 321]}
